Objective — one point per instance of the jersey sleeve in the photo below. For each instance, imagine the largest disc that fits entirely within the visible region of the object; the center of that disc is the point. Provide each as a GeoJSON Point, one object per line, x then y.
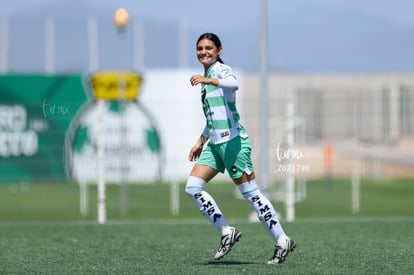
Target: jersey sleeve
{"type": "Point", "coordinates": [227, 79]}
{"type": "Point", "coordinates": [225, 71]}
{"type": "Point", "coordinates": [229, 83]}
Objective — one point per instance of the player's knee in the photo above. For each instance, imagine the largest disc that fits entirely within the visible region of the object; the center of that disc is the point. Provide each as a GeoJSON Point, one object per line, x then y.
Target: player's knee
{"type": "Point", "coordinates": [194, 185]}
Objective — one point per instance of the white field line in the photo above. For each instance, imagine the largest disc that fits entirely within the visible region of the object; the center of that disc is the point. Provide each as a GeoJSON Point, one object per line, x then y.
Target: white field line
{"type": "Point", "coordinates": [394, 219]}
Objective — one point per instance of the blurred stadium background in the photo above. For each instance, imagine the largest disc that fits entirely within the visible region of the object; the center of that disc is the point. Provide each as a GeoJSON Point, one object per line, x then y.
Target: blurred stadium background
{"type": "Point", "coordinates": [321, 126]}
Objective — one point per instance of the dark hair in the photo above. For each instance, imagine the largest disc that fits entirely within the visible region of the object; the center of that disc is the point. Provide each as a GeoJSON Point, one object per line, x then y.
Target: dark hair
{"type": "Point", "coordinates": [212, 37]}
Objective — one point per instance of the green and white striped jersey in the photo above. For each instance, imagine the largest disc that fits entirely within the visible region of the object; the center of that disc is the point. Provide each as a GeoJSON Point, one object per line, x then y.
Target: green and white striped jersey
{"type": "Point", "coordinates": [219, 105]}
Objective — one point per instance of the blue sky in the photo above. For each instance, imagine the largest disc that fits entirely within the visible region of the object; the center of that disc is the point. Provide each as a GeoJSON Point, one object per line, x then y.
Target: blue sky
{"type": "Point", "coordinates": [304, 35]}
{"type": "Point", "coordinates": [398, 11]}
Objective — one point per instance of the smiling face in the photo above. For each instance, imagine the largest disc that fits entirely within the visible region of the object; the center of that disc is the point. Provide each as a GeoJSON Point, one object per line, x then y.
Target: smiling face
{"type": "Point", "coordinates": [207, 52]}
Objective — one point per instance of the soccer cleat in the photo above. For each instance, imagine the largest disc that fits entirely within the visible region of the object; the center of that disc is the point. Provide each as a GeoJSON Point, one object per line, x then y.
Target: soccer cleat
{"type": "Point", "coordinates": [283, 246]}
{"type": "Point", "coordinates": [229, 236]}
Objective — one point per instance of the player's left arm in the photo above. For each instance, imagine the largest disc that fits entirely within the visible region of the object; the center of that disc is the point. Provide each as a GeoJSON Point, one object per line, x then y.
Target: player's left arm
{"type": "Point", "coordinates": [229, 82]}
{"type": "Point", "coordinates": [226, 78]}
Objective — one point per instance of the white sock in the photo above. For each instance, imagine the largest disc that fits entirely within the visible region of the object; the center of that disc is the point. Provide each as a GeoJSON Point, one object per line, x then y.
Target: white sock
{"type": "Point", "coordinates": [208, 207]}
{"type": "Point", "coordinates": [263, 207]}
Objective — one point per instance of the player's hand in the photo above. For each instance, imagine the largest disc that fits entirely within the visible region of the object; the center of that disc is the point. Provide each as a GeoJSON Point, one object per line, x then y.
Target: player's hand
{"type": "Point", "coordinates": [197, 79]}
{"type": "Point", "coordinates": [195, 152]}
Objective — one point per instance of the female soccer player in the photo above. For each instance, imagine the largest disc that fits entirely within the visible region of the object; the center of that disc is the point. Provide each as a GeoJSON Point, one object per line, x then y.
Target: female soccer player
{"type": "Point", "coordinates": [228, 148]}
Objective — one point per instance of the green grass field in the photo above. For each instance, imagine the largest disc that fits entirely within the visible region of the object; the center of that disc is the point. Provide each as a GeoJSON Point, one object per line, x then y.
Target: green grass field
{"type": "Point", "coordinates": [42, 232]}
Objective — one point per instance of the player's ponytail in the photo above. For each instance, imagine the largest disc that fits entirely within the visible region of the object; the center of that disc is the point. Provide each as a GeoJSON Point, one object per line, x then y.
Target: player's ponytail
{"type": "Point", "coordinates": [212, 37]}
